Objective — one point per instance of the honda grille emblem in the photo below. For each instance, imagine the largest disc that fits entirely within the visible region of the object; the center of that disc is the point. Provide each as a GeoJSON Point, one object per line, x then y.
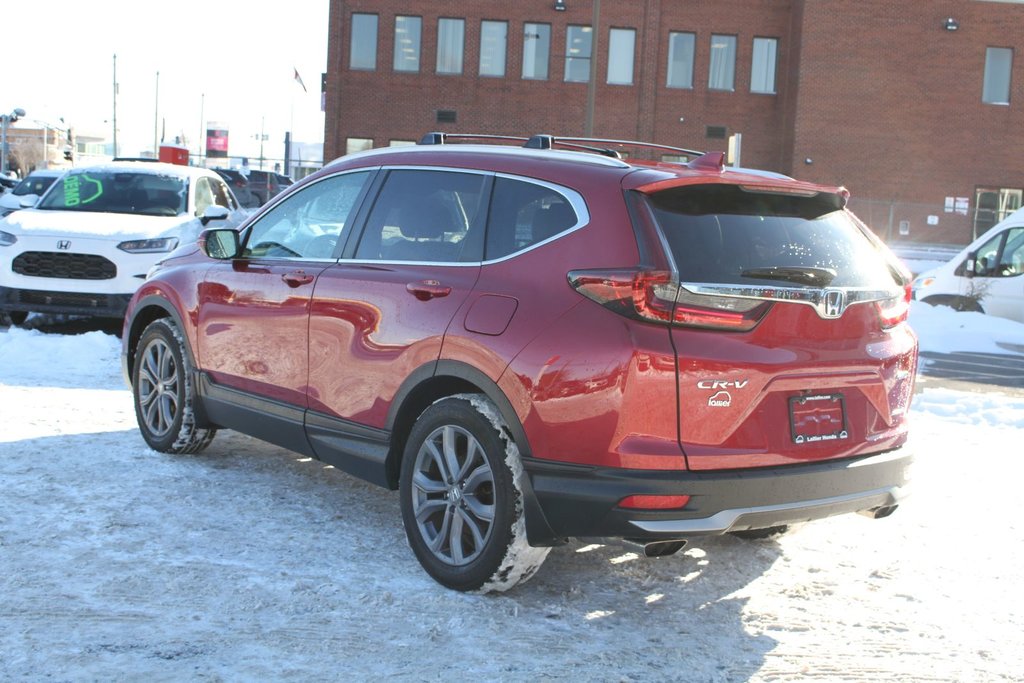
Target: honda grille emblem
{"type": "Point", "coordinates": [63, 245]}
{"type": "Point", "coordinates": [835, 303]}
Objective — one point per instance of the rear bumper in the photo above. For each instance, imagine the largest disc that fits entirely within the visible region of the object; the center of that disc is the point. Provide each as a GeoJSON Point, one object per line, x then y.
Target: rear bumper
{"type": "Point", "coordinates": [583, 502]}
{"type": "Point", "coordinates": [72, 303]}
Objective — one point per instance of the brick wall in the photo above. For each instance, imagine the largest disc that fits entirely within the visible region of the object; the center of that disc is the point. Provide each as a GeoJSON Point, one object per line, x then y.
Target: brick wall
{"type": "Point", "coordinates": [876, 93]}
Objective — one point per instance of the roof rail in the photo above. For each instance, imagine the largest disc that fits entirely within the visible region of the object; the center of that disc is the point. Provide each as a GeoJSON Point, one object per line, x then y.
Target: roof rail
{"type": "Point", "coordinates": [600, 146]}
{"type": "Point", "coordinates": [597, 144]}
{"type": "Point", "coordinates": [436, 138]}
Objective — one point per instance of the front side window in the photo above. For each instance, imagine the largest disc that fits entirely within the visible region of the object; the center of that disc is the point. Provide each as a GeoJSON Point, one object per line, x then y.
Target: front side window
{"type": "Point", "coordinates": [998, 64]}
{"type": "Point", "coordinates": [524, 214]}
{"type": "Point", "coordinates": [1001, 256]}
{"type": "Point", "coordinates": [762, 65]}
{"type": "Point", "coordinates": [363, 42]}
{"type": "Point", "coordinates": [493, 46]}
{"type": "Point", "coordinates": [309, 224]}
{"type": "Point", "coordinates": [147, 194]}
{"type": "Point", "coordinates": [722, 70]}
{"type": "Point", "coordinates": [579, 41]}
{"type": "Point", "coordinates": [407, 43]}
{"type": "Point", "coordinates": [621, 47]}
{"type": "Point", "coordinates": [536, 49]}
{"type": "Point", "coordinates": [680, 59]}
{"type": "Point", "coordinates": [451, 35]}
{"type": "Point", "coordinates": [426, 217]}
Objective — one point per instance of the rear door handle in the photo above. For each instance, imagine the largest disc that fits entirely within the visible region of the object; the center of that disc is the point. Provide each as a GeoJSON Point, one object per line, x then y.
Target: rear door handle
{"type": "Point", "coordinates": [297, 278]}
{"type": "Point", "coordinates": [425, 290]}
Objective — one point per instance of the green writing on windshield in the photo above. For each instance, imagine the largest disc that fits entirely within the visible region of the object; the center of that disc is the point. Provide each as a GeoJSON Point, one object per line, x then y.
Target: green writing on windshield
{"type": "Point", "coordinates": [77, 187]}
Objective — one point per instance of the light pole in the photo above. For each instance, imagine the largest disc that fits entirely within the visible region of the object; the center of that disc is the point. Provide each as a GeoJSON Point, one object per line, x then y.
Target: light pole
{"type": "Point", "coordinates": [5, 121]}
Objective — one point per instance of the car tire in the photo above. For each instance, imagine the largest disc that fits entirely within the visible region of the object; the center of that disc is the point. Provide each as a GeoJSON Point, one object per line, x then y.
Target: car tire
{"type": "Point", "coordinates": [462, 500]}
{"type": "Point", "coordinates": [17, 318]}
{"type": "Point", "coordinates": [163, 393]}
{"type": "Point", "coordinates": [761, 534]}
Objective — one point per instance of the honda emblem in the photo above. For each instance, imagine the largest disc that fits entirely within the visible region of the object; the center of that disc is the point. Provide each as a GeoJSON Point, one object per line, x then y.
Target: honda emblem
{"type": "Point", "coordinates": [835, 303]}
{"type": "Point", "coordinates": [63, 245]}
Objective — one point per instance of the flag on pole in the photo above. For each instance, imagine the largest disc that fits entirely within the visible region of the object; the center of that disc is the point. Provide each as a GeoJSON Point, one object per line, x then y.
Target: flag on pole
{"type": "Point", "coordinates": [298, 80]}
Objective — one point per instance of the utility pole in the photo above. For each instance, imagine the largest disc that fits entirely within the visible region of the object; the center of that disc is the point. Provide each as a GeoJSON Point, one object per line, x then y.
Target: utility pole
{"type": "Point", "coordinates": [595, 32]}
{"type": "Point", "coordinates": [156, 118]}
{"type": "Point", "coordinates": [115, 105]}
{"type": "Point", "coordinates": [202, 126]}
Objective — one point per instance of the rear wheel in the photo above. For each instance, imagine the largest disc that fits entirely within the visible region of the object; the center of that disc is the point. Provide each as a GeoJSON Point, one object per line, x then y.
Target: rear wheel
{"type": "Point", "coordinates": [163, 392]}
{"type": "Point", "coordinates": [461, 502]}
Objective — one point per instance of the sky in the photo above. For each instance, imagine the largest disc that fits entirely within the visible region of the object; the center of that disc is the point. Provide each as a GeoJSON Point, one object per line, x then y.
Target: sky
{"type": "Point", "coordinates": [225, 61]}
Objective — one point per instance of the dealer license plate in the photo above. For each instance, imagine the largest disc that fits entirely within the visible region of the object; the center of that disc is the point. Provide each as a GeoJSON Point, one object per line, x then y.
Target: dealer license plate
{"type": "Point", "coordinates": [817, 418]}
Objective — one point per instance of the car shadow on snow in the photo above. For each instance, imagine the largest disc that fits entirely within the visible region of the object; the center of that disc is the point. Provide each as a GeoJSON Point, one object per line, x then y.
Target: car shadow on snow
{"type": "Point", "coordinates": [248, 545]}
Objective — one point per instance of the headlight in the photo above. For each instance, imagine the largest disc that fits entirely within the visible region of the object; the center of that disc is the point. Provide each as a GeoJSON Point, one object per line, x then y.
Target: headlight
{"type": "Point", "coordinates": [157, 246]}
{"type": "Point", "coordinates": [7, 239]}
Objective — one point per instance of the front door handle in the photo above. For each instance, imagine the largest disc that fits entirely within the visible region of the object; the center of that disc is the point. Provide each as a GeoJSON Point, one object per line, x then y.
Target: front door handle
{"type": "Point", "coordinates": [425, 290]}
{"type": "Point", "coordinates": [297, 278]}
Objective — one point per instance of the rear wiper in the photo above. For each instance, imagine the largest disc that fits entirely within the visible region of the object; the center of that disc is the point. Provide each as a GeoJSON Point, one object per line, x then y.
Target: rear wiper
{"type": "Point", "coordinates": [802, 275]}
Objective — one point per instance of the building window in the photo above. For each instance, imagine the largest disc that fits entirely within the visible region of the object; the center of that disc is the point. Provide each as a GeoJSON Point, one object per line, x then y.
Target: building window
{"type": "Point", "coordinates": [998, 62]}
{"type": "Point", "coordinates": [762, 65]}
{"type": "Point", "coordinates": [578, 43]}
{"type": "Point", "coordinates": [353, 145]}
{"type": "Point", "coordinates": [451, 35]}
{"type": "Point", "coordinates": [680, 60]}
{"type": "Point", "coordinates": [722, 72]}
{"type": "Point", "coordinates": [363, 45]}
{"type": "Point", "coordinates": [407, 43]}
{"type": "Point", "coordinates": [493, 46]}
{"type": "Point", "coordinates": [621, 47]}
{"type": "Point", "coordinates": [536, 48]}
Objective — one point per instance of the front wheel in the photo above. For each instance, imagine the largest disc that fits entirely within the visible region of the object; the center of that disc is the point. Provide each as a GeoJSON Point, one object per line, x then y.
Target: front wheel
{"type": "Point", "coordinates": [461, 501]}
{"type": "Point", "coordinates": [163, 392]}
{"type": "Point", "coordinates": [17, 318]}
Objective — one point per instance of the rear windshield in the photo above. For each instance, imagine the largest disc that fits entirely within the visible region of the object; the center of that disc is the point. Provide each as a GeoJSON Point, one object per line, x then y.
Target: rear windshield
{"type": "Point", "coordinates": [724, 234]}
{"type": "Point", "coordinates": [148, 194]}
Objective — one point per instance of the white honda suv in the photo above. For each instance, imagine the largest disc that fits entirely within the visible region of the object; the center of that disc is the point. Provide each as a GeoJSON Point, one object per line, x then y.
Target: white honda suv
{"type": "Point", "coordinates": [90, 240]}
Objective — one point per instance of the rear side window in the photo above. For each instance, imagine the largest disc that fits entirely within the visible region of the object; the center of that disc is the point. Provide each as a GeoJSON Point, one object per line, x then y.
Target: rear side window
{"type": "Point", "coordinates": [723, 234]}
{"type": "Point", "coordinates": [524, 214]}
{"type": "Point", "coordinates": [426, 217]}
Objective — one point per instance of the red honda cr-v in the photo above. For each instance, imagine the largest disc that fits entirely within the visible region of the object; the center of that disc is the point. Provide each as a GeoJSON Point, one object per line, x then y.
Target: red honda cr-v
{"type": "Point", "coordinates": [539, 342]}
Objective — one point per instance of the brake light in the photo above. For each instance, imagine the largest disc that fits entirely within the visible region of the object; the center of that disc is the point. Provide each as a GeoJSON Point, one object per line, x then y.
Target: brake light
{"type": "Point", "coordinates": [655, 296]}
{"type": "Point", "coordinates": [638, 294]}
{"type": "Point", "coordinates": [893, 311]}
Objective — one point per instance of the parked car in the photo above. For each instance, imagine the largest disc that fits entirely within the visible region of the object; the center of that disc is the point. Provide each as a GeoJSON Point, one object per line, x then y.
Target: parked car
{"type": "Point", "coordinates": [265, 185]}
{"type": "Point", "coordinates": [987, 276]}
{"type": "Point", "coordinates": [535, 343]}
{"type": "Point", "coordinates": [7, 183]}
{"type": "Point", "coordinates": [239, 185]}
{"type": "Point", "coordinates": [87, 244]}
{"type": "Point", "coordinates": [28, 190]}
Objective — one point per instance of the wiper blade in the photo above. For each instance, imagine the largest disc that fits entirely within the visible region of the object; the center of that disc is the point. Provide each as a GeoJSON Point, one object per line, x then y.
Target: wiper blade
{"type": "Point", "coordinates": [803, 275]}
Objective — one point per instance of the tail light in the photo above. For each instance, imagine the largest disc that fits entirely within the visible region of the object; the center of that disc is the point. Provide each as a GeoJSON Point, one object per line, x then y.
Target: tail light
{"type": "Point", "coordinates": [655, 296]}
{"type": "Point", "coordinates": [893, 311]}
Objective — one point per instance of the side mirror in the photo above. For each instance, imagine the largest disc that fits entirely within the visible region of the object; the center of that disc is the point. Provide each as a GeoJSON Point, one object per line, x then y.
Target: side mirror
{"type": "Point", "coordinates": [214, 213]}
{"type": "Point", "coordinates": [221, 244]}
{"type": "Point", "coordinates": [28, 201]}
{"type": "Point", "coordinates": [972, 262]}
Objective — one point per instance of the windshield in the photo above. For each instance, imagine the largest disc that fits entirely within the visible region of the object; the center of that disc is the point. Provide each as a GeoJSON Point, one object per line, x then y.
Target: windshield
{"type": "Point", "coordinates": [33, 185]}
{"type": "Point", "coordinates": [147, 194]}
{"type": "Point", "coordinates": [724, 234]}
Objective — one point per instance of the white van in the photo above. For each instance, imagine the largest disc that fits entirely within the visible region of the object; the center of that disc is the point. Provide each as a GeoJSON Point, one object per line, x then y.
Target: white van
{"type": "Point", "coordinates": [987, 276]}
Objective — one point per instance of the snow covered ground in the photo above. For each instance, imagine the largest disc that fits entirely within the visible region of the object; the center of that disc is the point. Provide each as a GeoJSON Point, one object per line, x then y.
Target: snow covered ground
{"type": "Point", "coordinates": [251, 563]}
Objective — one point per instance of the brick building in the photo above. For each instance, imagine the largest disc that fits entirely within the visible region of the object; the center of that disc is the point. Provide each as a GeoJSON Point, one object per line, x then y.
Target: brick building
{"type": "Point", "coordinates": [915, 105]}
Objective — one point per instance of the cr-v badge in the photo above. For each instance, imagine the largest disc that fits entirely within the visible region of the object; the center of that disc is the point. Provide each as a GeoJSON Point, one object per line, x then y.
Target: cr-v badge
{"type": "Point", "coordinates": [721, 398]}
